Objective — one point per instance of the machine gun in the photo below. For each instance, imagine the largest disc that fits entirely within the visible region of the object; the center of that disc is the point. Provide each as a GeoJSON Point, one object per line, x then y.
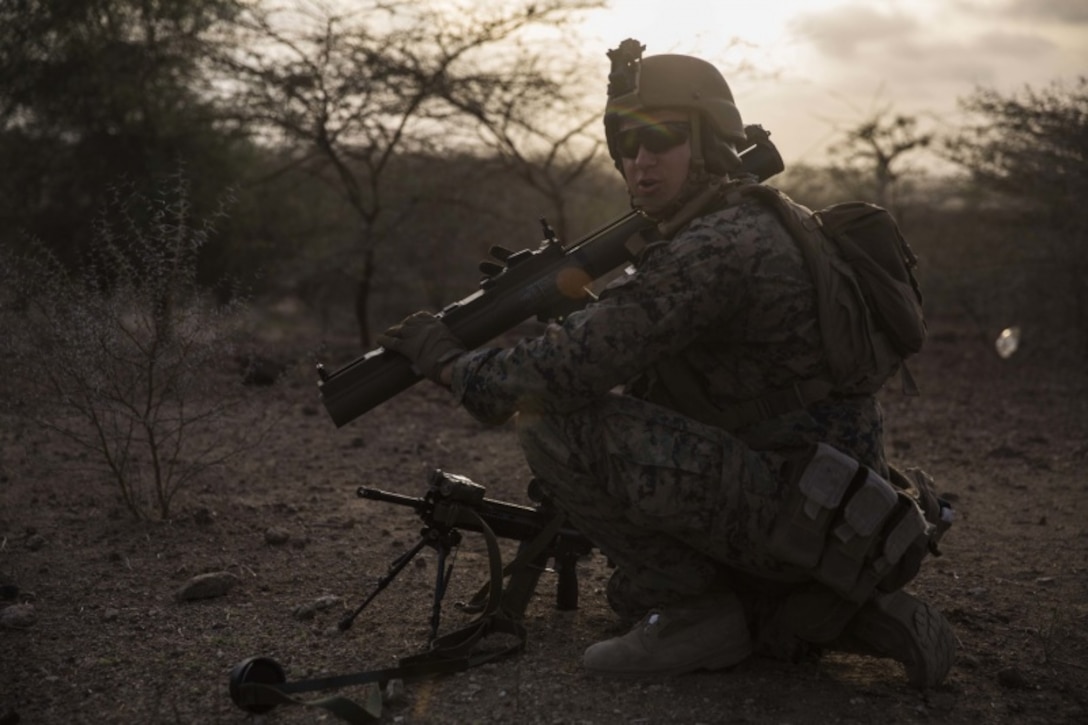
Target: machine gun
{"type": "Point", "coordinates": [452, 504]}
{"type": "Point", "coordinates": [545, 283]}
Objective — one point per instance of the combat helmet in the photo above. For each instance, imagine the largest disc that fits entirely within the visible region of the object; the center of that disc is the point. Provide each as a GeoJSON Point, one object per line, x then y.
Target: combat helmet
{"type": "Point", "coordinates": [638, 84]}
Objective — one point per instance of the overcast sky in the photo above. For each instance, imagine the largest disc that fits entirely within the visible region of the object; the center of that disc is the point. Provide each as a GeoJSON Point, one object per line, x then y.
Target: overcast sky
{"type": "Point", "coordinates": [830, 62]}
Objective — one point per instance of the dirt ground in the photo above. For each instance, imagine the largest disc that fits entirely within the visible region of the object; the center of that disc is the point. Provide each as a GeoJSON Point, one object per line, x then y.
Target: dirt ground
{"type": "Point", "coordinates": [107, 642]}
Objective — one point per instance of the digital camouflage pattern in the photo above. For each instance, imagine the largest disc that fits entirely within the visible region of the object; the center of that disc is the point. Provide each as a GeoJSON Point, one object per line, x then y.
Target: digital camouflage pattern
{"type": "Point", "coordinates": [668, 499]}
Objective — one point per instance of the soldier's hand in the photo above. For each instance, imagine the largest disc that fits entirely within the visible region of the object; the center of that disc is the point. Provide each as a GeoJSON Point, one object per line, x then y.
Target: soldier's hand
{"type": "Point", "coordinates": [426, 341]}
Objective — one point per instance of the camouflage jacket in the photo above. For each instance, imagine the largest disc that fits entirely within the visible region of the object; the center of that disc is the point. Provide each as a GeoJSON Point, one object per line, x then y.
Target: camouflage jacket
{"type": "Point", "coordinates": [729, 296]}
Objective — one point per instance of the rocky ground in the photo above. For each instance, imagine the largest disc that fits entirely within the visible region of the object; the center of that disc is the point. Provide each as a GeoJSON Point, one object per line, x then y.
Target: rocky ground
{"type": "Point", "coordinates": [94, 630]}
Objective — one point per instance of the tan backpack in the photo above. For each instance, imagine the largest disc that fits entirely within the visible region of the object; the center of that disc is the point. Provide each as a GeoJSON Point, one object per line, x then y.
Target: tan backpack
{"type": "Point", "coordinates": [868, 302]}
{"type": "Point", "coordinates": [868, 299]}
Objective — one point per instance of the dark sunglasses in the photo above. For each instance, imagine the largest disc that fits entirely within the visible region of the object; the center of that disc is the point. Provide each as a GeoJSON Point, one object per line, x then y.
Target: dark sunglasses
{"type": "Point", "coordinates": [656, 139]}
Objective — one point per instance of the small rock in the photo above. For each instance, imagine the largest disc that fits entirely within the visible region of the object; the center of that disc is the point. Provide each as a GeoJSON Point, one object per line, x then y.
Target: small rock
{"type": "Point", "coordinates": [1012, 678]}
{"type": "Point", "coordinates": [1006, 451]}
{"type": "Point", "coordinates": [8, 588]}
{"type": "Point", "coordinates": [259, 370]}
{"type": "Point", "coordinates": [206, 586]}
{"type": "Point", "coordinates": [941, 700]}
{"type": "Point", "coordinates": [276, 536]}
{"type": "Point", "coordinates": [394, 692]}
{"type": "Point", "coordinates": [35, 542]}
{"type": "Point", "coordinates": [110, 615]}
{"type": "Point", "coordinates": [307, 611]}
{"type": "Point", "coordinates": [968, 661]}
{"type": "Point", "coordinates": [18, 616]}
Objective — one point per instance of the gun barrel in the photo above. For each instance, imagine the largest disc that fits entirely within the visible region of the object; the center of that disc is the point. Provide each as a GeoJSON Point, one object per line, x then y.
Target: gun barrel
{"type": "Point", "coordinates": [376, 494]}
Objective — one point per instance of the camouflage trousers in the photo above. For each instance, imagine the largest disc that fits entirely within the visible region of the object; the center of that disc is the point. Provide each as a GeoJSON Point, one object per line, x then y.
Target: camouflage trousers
{"type": "Point", "coordinates": [675, 504]}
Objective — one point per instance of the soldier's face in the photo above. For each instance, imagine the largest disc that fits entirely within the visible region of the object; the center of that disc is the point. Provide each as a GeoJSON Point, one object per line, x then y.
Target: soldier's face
{"type": "Point", "coordinates": [656, 153]}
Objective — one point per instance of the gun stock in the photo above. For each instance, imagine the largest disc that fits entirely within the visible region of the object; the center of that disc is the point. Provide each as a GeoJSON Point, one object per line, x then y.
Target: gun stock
{"type": "Point", "coordinates": [534, 283]}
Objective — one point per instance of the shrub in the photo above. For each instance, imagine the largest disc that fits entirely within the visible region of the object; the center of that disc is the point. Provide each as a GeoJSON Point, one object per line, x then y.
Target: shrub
{"type": "Point", "coordinates": [124, 356]}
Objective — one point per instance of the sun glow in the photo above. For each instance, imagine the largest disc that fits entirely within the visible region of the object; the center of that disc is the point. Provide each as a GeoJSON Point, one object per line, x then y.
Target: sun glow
{"type": "Point", "coordinates": [806, 69]}
{"type": "Point", "coordinates": [727, 33]}
{"type": "Point", "coordinates": [755, 45]}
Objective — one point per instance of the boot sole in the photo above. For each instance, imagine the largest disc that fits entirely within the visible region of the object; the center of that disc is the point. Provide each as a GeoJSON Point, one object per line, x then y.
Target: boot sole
{"type": "Point", "coordinates": [908, 630]}
{"type": "Point", "coordinates": [718, 661]}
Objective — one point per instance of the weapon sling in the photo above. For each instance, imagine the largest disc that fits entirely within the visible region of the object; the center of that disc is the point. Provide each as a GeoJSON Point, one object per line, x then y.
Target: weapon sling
{"type": "Point", "coordinates": [259, 684]}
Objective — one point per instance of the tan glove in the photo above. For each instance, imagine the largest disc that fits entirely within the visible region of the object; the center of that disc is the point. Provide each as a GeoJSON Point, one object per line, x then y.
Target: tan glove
{"type": "Point", "coordinates": [426, 341]}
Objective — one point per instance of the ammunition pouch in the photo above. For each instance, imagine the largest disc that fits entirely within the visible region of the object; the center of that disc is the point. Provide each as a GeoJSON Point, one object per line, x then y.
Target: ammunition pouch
{"type": "Point", "coordinates": [853, 530]}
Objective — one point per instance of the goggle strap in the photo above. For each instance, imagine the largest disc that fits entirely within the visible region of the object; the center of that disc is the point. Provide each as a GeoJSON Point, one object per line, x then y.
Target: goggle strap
{"type": "Point", "coordinates": [698, 163]}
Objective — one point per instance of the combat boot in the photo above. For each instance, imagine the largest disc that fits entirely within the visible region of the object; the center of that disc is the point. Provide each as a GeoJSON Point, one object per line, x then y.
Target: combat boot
{"type": "Point", "coordinates": [709, 633]}
{"type": "Point", "coordinates": [906, 629]}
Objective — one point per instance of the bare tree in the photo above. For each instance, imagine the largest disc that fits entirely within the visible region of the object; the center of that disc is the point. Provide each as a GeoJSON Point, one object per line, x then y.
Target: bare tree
{"type": "Point", "coordinates": [869, 151]}
{"type": "Point", "coordinates": [353, 89]}
{"type": "Point", "coordinates": [1031, 145]}
{"type": "Point", "coordinates": [1029, 150]}
{"type": "Point", "coordinates": [536, 134]}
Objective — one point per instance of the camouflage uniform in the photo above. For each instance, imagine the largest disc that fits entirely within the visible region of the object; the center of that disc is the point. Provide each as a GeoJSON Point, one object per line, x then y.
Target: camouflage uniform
{"type": "Point", "coordinates": [675, 503]}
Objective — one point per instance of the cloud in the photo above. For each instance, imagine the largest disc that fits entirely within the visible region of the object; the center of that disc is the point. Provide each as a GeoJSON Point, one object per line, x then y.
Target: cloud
{"type": "Point", "coordinates": [986, 58]}
{"type": "Point", "coordinates": [961, 48]}
{"type": "Point", "coordinates": [1066, 11]}
{"type": "Point", "coordinates": [841, 33]}
{"type": "Point", "coordinates": [1020, 45]}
